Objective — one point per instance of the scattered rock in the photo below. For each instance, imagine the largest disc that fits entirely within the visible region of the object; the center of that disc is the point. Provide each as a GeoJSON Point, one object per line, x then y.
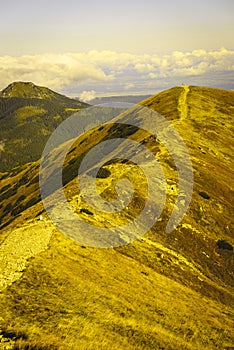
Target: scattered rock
{"type": "Point", "coordinates": [222, 244]}
{"type": "Point", "coordinates": [86, 211]}
{"type": "Point", "coordinates": [204, 195]}
{"type": "Point", "coordinates": [103, 173]}
{"type": "Point", "coordinates": [145, 273]}
{"type": "Point", "coordinates": [13, 335]}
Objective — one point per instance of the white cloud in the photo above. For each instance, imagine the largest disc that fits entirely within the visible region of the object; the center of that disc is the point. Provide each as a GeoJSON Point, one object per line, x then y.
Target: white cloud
{"type": "Point", "coordinates": [144, 67]}
{"type": "Point", "coordinates": [87, 96]}
{"type": "Point", "coordinates": [55, 71]}
{"type": "Point", "coordinates": [129, 86]}
{"type": "Point", "coordinates": [112, 71]}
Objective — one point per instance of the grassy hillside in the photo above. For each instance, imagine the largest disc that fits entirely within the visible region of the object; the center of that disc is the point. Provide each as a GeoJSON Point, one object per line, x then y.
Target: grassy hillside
{"type": "Point", "coordinates": [28, 115]}
{"type": "Point", "coordinates": [162, 291]}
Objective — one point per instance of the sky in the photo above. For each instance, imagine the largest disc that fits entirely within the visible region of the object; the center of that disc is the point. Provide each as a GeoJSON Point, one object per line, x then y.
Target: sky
{"type": "Point", "coordinates": [95, 47]}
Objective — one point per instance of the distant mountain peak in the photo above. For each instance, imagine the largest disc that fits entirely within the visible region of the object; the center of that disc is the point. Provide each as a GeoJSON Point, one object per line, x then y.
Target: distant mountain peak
{"type": "Point", "coordinates": [27, 109]}
{"type": "Point", "coordinates": [27, 90]}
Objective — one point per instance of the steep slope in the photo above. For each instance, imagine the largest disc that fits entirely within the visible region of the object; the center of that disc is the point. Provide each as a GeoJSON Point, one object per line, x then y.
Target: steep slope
{"type": "Point", "coordinates": [162, 291]}
{"type": "Point", "coordinates": [28, 115]}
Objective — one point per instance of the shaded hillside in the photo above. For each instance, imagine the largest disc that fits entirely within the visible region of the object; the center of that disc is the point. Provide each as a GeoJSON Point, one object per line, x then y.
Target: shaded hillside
{"type": "Point", "coordinates": [28, 115]}
{"type": "Point", "coordinates": [171, 291]}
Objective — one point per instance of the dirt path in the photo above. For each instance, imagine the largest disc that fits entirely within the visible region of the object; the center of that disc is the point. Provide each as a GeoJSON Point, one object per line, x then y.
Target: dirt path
{"type": "Point", "coordinates": [182, 104]}
{"type": "Point", "coordinates": [22, 244]}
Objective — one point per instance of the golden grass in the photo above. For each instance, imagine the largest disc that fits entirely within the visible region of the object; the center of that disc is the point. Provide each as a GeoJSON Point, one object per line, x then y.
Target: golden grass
{"type": "Point", "coordinates": [86, 298]}
{"type": "Point", "coordinates": [29, 111]}
{"type": "Point", "coordinates": [161, 292]}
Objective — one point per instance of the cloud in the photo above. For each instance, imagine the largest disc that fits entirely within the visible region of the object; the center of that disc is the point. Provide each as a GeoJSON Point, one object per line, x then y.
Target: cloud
{"type": "Point", "coordinates": [129, 86]}
{"type": "Point", "coordinates": [105, 71]}
{"type": "Point", "coordinates": [144, 67]}
{"type": "Point", "coordinates": [55, 71]}
{"type": "Point", "coordinates": [87, 96]}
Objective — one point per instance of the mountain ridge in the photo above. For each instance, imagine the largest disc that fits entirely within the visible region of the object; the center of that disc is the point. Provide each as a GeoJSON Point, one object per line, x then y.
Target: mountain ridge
{"type": "Point", "coordinates": [161, 291]}
{"type": "Point", "coordinates": [22, 89]}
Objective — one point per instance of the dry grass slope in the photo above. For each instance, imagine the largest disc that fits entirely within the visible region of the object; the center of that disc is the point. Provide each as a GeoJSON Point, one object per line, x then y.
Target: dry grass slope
{"type": "Point", "coordinates": [160, 292]}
